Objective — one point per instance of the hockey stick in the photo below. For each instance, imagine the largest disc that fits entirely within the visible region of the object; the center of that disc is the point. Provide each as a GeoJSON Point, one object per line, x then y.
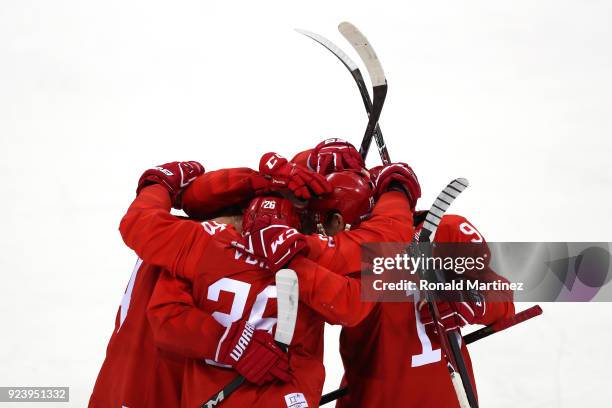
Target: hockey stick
{"type": "Point", "coordinates": [363, 90]}
{"type": "Point", "coordinates": [287, 300]}
{"type": "Point", "coordinates": [469, 339]}
{"type": "Point", "coordinates": [503, 324]}
{"type": "Point", "coordinates": [449, 340]}
{"type": "Point", "coordinates": [334, 395]}
{"type": "Point", "coordinates": [379, 83]}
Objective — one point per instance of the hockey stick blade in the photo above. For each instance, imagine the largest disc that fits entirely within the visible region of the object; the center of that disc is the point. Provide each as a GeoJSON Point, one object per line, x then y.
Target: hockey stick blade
{"type": "Point", "coordinates": [361, 44]}
{"type": "Point", "coordinates": [333, 48]}
{"type": "Point", "coordinates": [439, 207]}
{"type": "Point", "coordinates": [379, 85]}
{"type": "Point", "coordinates": [361, 85]}
{"type": "Point", "coordinates": [287, 300]}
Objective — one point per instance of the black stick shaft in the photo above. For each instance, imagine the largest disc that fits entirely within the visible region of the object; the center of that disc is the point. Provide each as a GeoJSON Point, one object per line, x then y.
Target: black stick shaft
{"type": "Point", "coordinates": [334, 395]}
{"type": "Point", "coordinates": [453, 340]}
{"type": "Point", "coordinates": [224, 393]}
{"type": "Point", "coordinates": [378, 136]}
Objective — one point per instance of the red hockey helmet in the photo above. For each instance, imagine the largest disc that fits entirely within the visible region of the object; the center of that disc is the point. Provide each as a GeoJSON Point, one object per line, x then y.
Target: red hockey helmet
{"type": "Point", "coordinates": [268, 210]}
{"type": "Point", "coordinates": [351, 196]}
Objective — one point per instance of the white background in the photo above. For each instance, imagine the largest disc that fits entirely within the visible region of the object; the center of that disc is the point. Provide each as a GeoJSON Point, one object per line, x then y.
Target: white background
{"type": "Point", "coordinates": [515, 96]}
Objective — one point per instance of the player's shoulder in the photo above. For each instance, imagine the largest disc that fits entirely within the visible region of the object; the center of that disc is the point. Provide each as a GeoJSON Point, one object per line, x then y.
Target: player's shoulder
{"type": "Point", "coordinates": [219, 230]}
{"type": "Point", "coordinates": [221, 258]}
{"type": "Point", "coordinates": [452, 221]}
{"type": "Point", "coordinates": [457, 228]}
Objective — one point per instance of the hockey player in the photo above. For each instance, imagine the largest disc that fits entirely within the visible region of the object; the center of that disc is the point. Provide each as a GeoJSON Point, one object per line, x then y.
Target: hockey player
{"type": "Point", "coordinates": [392, 326]}
{"type": "Point", "coordinates": [134, 373]}
{"type": "Point", "coordinates": [350, 215]}
{"type": "Point", "coordinates": [375, 373]}
{"type": "Point", "coordinates": [402, 361]}
{"type": "Point", "coordinates": [405, 215]}
{"type": "Point", "coordinates": [137, 374]}
{"type": "Point", "coordinates": [214, 280]}
{"type": "Point", "coordinates": [351, 206]}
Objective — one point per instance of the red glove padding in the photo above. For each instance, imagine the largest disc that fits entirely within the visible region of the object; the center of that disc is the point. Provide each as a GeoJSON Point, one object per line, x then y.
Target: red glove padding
{"type": "Point", "coordinates": [396, 175]}
{"type": "Point", "coordinates": [279, 174]}
{"type": "Point", "coordinates": [454, 315]}
{"type": "Point", "coordinates": [332, 155]}
{"type": "Point", "coordinates": [253, 354]}
{"type": "Point", "coordinates": [275, 245]}
{"type": "Point", "coordinates": [175, 176]}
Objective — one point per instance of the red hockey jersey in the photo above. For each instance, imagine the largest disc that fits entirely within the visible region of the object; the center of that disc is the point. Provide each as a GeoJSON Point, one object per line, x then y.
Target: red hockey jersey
{"type": "Point", "coordinates": [216, 283]}
{"type": "Point", "coordinates": [391, 221]}
{"type": "Point", "coordinates": [389, 358]}
{"type": "Point", "coordinates": [134, 372]}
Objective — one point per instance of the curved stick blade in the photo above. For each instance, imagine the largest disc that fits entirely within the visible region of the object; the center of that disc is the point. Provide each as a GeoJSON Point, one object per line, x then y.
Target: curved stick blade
{"type": "Point", "coordinates": [439, 207]}
{"type": "Point", "coordinates": [333, 48]}
{"type": "Point", "coordinates": [367, 54]}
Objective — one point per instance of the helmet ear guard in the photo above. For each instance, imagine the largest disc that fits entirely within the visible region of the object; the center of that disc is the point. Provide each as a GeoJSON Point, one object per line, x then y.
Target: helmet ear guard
{"type": "Point", "coordinates": [321, 220]}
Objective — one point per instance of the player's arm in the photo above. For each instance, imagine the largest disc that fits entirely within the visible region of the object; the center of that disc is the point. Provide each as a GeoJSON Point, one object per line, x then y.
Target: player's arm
{"type": "Point", "coordinates": [396, 190]}
{"type": "Point", "coordinates": [214, 191]}
{"type": "Point", "coordinates": [391, 221]}
{"type": "Point", "coordinates": [479, 307]}
{"type": "Point", "coordinates": [217, 190]}
{"type": "Point", "coordinates": [500, 303]}
{"type": "Point", "coordinates": [269, 237]}
{"type": "Point", "coordinates": [334, 297]}
{"type": "Point", "coordinates": [182, 328]}
{"type": "Point", "coordinates": [177, 324]}
{"type": "Point", "coordinates": [153, 233]}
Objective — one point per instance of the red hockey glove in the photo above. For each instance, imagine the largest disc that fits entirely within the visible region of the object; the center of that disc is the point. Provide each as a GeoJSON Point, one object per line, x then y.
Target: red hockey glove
{"type": "Point", "coordinates": [175, 176]}
{"type": "Point", "coordinates": [253, 354]}
{"type": "Point", "coordinates": [278, 174]}
{"type": "Point", "coordinates": [275, 245]}
{"type": "Point", "coordinates": [454, 315]}
{"type": "Point", "coordinates": [396, 175]}
{"type": "Point", "coordinates": [333, 155]}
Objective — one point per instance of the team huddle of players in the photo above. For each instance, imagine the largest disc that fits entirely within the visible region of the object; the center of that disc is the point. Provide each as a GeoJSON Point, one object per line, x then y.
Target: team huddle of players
{"type": "Point", "coordinates": [200, 306]}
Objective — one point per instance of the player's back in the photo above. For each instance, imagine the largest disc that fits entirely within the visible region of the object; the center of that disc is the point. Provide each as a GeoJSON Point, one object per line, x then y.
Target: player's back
{"type": "Point", "coordinates": [397, 361]}
{"type": "Point", "coordinates": [390, 359]}
{"type": "Point", "coordinates": [134, 372]}
{"type": "Point", "coordinates": [231, 287]}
